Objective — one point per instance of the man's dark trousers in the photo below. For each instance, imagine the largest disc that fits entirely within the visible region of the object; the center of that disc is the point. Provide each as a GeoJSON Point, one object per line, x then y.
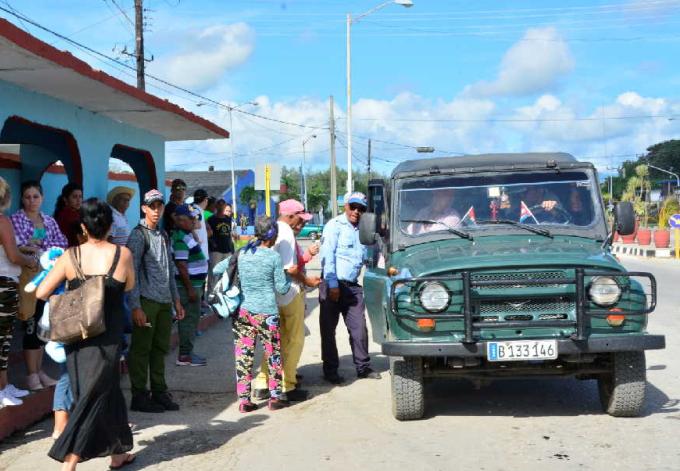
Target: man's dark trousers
{"type": "Point", "coordinates": [351, 306]}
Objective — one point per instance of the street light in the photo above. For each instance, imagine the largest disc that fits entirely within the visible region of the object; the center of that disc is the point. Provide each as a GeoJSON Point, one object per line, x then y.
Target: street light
{"type": "Point", "coordinates": [677, 178]}
{"type": "Point", "coordinates": [302, 170]}
{"type": "Point", "coordinates": [231, 140]}
{"type": "Point", "coordinates": [350, 20]}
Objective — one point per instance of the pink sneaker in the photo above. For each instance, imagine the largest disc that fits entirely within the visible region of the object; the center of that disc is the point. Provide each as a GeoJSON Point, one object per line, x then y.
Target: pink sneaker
{"type": "Point", "coordinates": [45, 380]}
{"type": "Point", "coordinates": [33, 382]}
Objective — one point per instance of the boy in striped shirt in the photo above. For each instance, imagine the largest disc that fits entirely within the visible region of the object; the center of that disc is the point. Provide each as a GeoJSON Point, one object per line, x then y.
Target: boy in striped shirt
{"type": "Point", "coordinates": [191, 273]}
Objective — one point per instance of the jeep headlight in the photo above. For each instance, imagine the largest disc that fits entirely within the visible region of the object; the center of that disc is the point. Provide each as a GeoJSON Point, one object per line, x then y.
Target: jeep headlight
{"type": "Point", "coordinates": [604, 291]}
{"type": "Point", "coordinates": [434, 296]}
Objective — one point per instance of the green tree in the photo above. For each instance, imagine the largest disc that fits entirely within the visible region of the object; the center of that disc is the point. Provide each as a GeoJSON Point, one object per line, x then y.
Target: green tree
{"type": "Point", "coordinates": [665, 155]}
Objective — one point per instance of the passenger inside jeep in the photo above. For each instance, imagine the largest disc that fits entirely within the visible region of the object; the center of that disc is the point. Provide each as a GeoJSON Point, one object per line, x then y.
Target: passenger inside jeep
{"type": "Point", "coordinates": [433, 205]}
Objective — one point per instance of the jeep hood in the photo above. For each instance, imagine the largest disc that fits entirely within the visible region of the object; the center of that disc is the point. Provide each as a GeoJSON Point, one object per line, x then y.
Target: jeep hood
{"type": "Point", "coordinates": [504, 252]}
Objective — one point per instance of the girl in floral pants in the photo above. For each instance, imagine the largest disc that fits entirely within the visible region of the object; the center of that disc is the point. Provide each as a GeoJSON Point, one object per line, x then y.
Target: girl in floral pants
{"type": "Point", "coordinates": [261, 276]}
{"type": "Point", "coordinates": [247, 327]}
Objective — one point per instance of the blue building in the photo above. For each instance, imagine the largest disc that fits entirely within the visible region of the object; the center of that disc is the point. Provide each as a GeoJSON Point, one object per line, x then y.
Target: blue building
{"type": "Point", "coordinates": [56, 109]}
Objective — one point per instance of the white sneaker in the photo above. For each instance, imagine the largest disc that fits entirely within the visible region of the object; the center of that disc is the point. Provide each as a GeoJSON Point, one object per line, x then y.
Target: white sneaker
{"type": "Point", "coordinates": [13, 391]}
{"type": "Point", "coordinates": [7, 400]}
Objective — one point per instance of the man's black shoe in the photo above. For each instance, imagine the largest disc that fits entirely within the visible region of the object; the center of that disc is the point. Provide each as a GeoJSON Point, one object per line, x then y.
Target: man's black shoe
{"type": "Point", "coordinates": [142, 402]}
{"type": "Point", "coordinates": [296, 395]}
{"type": "Point", "coordinates": [165, 400]}
{"type": "Point", "coordinates": [369, 374]}
{"type": "Point", "coordinates": [333, 378]}
{"type": "Point", "coordinates": [261, 394]}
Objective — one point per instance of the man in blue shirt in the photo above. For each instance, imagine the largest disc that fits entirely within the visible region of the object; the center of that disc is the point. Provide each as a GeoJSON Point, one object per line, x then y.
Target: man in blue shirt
{"type": "Point", "coordinates": [342, 257]}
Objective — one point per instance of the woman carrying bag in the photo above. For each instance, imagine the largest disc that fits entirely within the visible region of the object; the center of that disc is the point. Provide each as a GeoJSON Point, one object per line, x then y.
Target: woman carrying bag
{"type": "Point", "coordinates": [35, 233]}
{"type": "Point", "coordinates": [98, 424]}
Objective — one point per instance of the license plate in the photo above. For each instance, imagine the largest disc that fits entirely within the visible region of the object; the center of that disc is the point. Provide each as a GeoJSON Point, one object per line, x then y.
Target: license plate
{"type": "Point", "coordinates": [518, 350]}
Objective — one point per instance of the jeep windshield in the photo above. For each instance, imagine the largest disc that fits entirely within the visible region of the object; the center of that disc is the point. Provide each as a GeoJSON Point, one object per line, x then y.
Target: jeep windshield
{"type": "Point", "coordinates": [540, 202]}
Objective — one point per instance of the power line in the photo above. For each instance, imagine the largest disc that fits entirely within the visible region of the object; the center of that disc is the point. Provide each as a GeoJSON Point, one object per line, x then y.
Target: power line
{"type": "Point", "coordinates": [204, 99]}
{"type": "Point", "coordinates": [513, 120]}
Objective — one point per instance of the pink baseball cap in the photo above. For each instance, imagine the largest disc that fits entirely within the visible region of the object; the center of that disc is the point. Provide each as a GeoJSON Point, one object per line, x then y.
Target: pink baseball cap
{"type": "Point", "coordinates": [292, 206]}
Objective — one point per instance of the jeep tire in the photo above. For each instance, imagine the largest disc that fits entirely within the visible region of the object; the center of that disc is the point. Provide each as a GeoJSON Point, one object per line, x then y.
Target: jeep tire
{"type": "Point", "coordinates": [622, 391]}
{"type": "Point", "coordinates": [408, 395]}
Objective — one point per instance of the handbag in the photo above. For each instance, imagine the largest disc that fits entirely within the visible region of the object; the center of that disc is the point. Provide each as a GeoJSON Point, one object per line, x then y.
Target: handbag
{"type": "Point", "coordinates": [27, 300]}
{"type": "Point", "coordinates": [78, 313]}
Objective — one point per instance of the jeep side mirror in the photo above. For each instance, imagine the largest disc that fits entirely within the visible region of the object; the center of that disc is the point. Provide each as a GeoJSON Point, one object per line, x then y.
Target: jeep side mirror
{"type": "Point", "coordinates": [624, 218]}
{"type": "Point", "coordinates": [367, 228]}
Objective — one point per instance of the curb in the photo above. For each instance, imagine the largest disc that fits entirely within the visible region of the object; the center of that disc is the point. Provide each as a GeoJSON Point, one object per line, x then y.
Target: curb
{"type": "Point", "coordinates": [636, 250]}
{"type": "Point", "coordinates": [36, 406]}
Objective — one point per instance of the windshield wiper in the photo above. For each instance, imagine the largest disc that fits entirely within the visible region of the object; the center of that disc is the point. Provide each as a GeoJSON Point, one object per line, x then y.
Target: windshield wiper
{"type": "Point", "coordinates": [528, 227]}
{"type": "Point", "coordinates": [452, 230]}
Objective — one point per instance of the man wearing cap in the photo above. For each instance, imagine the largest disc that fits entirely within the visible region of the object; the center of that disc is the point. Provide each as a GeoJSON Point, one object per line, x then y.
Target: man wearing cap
{"type": "Point", "coordinates": [119, 200]}
{"type": "Point", "coordinates": [178, 190]}
{"type": "Point", "coordinates": [342, 257]}
{"type": "Point", "coordinates": [291, 305]}
{"type": "Point", "coordinates": [151, 301]}
{"type": "Point", "coordinates": [191, 272]}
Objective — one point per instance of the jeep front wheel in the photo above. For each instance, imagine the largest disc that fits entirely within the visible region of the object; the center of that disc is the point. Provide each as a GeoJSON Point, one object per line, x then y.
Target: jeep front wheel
{"type": "Point", "coordinates": [622, 390]}
{"type": "Point", "coordinates": [408, 396]}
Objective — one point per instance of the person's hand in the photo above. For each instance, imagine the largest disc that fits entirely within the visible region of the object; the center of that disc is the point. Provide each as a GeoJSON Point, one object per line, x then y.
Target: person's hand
{"type": "Point", "coordinates": [334, 294]}
{"type": "Point", "coordinates": [313, 249]}
{"type": "Point", "coordinates": [549, 205]}
{"type": "Point", "coordinates": [179, 310]}
{"type": "Point", "coordinates": [193, 297]}
{"type": "Point", "coordinates": [138, 317]}
{"type": "Point", "coordinates": [312, 281]}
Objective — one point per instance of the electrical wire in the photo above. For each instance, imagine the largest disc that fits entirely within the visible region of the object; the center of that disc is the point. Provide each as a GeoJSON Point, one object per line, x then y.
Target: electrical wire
{"type": "Point", "coordinates": [204, 99]}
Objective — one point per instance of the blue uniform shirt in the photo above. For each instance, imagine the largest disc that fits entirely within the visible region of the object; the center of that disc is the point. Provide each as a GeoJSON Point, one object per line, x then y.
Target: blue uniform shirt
{"type": "Point", "coordinates": [342, 255]}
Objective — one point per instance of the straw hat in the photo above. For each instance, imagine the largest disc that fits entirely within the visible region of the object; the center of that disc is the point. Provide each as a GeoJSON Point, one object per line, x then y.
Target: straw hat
{"type": "Point", "coordinates": [119, 190]}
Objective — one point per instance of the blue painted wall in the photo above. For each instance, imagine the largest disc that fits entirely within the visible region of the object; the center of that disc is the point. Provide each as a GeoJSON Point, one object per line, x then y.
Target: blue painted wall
{"type": "Point", "coordinates": [95, 135]}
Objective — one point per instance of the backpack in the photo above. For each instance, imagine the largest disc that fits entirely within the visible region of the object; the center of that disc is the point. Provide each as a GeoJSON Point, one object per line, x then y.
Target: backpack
{"type": "Point", "coordinates": [226, 296]}
{"type": "Point", "coordinates": [147, 243]}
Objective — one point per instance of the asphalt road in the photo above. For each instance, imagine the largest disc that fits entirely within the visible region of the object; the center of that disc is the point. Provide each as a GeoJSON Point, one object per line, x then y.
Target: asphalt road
{"type": "Point", "coordinates": [509, 425]}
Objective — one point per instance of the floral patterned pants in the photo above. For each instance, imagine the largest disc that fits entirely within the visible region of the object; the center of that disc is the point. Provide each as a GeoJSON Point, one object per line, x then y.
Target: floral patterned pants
{"type": "Point", "coordinates": [247, 327]}
{"type": "Point", "coordinates": [9, 303]}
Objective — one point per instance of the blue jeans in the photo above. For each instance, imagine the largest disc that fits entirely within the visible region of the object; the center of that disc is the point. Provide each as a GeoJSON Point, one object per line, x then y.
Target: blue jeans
{"type": "Point", "coordinates": [63, 398]}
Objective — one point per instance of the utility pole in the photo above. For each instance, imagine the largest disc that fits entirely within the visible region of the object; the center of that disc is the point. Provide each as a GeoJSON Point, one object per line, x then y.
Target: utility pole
{"type": "Point", "coordinates": [369, 160]}
{"type": "Point", "coordinates": [334, 188]}
{"type": "Point", "coordinates": [139, 43]}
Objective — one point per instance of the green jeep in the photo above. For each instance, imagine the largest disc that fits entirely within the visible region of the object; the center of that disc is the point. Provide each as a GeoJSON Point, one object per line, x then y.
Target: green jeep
{"type": "Point", "coordinates": [499, 265]}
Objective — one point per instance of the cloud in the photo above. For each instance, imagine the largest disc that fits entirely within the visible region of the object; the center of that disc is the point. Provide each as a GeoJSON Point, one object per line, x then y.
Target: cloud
{"type": "Point", "coordinates": [534, 64]}
{"type": "Point", "coordinates": [206, 55]}
{"type": "Point", "coordinates": [463, 125]}
{"type": "Point", "coordinates": [631, 123]}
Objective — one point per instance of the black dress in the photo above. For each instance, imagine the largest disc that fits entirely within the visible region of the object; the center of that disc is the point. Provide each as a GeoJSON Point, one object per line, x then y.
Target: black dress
{"type": "Point", "coordinates": [98, 425]}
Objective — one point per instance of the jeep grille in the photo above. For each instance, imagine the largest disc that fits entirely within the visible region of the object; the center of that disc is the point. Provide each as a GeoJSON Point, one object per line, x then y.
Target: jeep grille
{"type": "Point", "coordinates": [519, 277]}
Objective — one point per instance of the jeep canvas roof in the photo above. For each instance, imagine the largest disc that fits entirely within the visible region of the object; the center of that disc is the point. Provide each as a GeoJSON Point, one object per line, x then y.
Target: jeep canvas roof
{"type": "Point", "coordinates": [484, 162]}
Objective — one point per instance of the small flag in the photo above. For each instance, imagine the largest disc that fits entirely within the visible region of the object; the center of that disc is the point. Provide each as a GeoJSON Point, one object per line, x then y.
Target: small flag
{"type": "Point", "coordinates": [470, 215]}
{"type": "Point", "coordinates": [525, 213]}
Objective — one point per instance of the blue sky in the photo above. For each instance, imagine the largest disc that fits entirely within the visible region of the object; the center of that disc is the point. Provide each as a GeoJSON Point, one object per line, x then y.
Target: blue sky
{"type": "Point", "coordinates": [598, 79]}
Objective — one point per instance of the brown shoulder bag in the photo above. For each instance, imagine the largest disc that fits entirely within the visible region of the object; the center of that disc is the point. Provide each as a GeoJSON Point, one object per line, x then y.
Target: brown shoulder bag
{"type": "Point", "coordinates": [78, 314]}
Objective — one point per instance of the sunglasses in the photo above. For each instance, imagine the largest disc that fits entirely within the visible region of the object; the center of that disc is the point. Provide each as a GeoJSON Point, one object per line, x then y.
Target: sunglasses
{"type": "Point", "coordinates": [179, 188]}
{"type": "Point", "coordinates": [357, 207]}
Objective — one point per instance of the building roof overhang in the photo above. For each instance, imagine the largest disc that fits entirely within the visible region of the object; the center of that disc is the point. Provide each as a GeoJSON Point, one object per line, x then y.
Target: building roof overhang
{"type": "Point", "coordinates": [37, 66]}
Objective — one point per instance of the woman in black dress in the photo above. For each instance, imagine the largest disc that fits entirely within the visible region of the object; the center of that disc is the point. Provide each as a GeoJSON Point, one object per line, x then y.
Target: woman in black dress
{"type": "Point", "coordinates": [98, 425]}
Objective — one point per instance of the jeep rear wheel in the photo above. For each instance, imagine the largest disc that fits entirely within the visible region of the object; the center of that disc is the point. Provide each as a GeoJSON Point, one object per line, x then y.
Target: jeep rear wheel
{"type": "Point", "coordinates": [622, 391]}
{"type": "Point", "coordinates": [408, 396]}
